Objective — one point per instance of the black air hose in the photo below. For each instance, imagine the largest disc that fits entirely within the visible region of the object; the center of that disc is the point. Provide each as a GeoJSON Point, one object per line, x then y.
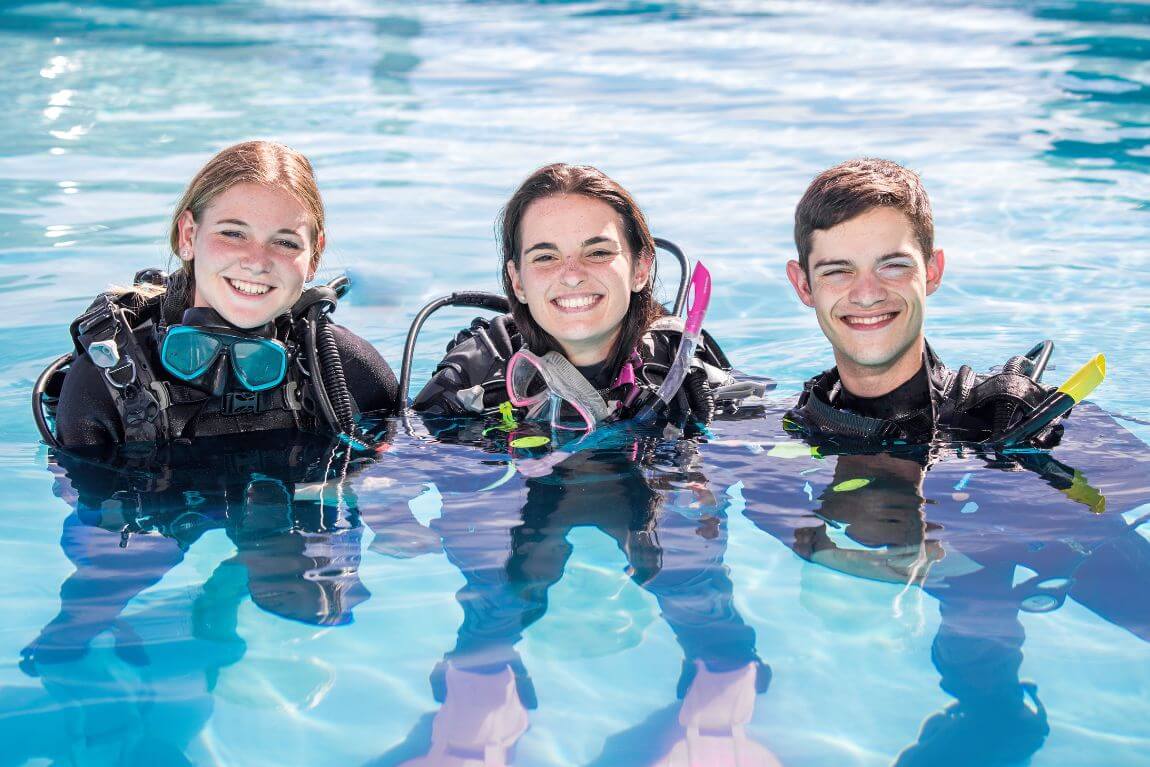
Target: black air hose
{"type": "Point", "coordinates": [312, 359]}
{"type": "Point", "coordinates": [699, 395]}
{"type": "Point", "coordinates": [1005, 409]}
{"type": "Point", "coordinates": [333, 379]}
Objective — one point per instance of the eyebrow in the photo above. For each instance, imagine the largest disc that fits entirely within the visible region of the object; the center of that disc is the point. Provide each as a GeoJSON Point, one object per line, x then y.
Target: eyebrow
{"type": "Point", "coordinates": [897, 254]}
{"type": "Point", "coordinates": [589, 241]}
{"type": "Point", "coordinates": [541, 246]}
{"type": "Point", "coordinates": [847, 262]}
{"type": "Point", "coordinates": [832, 262]}
{"type": "Point", "coordinates": [238, 222]}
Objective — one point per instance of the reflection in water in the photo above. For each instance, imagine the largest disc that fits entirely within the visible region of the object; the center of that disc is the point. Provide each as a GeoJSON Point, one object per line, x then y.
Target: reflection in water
{"type": "Point", "coordinates": [512, 546]}
{"type": "Point", "coordinates": [961, 528]}
{"type": "Point", "coordinates": [144, 698]}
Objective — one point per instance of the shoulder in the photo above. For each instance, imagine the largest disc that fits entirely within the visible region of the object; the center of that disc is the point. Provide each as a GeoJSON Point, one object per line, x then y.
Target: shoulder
{"type": "Point", "coordinates": [661, 342]}
{"type": "Point", "coordinates": [86, 414]}
{"type": "Point", "coordinates": [469, 378]}
{"type": "Point", "coordinates": [370, 379]}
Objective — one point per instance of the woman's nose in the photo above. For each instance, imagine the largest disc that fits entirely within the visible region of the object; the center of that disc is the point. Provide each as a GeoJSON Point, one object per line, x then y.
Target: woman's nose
{"type": "Point", "coordinates": [573, 273]}
{"type": "Point", "coordinates": [257, 259]}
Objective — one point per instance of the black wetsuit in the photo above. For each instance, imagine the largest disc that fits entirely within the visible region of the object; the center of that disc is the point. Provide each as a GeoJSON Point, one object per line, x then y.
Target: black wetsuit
{"type": "Point", "coordinates": [937, 401]}
{"type": "Point", "coordinates": [87, 415]}
{"type": "Point", "coordinates": [469, 380]}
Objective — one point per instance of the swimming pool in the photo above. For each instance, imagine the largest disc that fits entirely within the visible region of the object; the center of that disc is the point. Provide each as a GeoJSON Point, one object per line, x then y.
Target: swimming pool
{"type": "Point", "coordinates": [1030, 122]}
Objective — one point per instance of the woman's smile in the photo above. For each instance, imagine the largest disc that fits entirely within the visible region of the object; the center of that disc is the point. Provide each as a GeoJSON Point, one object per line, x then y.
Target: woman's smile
{"type": "Point", "coordinates": [575, 273]}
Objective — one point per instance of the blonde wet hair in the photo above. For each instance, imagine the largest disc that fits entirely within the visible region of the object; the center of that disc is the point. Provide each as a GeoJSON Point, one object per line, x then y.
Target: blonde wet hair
{"type": "Point", "coordinates": [252, 162]}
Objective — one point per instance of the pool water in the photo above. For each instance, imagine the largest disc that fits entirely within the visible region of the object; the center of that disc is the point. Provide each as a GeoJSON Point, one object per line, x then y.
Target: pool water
{"type": "Point", "coordinates": [282, 605]}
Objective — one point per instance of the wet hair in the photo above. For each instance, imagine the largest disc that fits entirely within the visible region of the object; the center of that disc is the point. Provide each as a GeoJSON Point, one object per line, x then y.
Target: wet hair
{"type": "Point", "coordinates": [855, 187]}
{"type": "Point", "coordinates": [562, 179]}
{"type": "Point", "coordinates": [251, 162]}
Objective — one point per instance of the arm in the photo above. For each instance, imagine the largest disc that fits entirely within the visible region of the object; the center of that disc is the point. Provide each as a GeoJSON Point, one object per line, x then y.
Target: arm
{"type": "Point", "coordinates": [370, 379]}
{"type": "Point", "coordinates": [87, 415]}
{"type": "Point", "coordinates": [469, 379]}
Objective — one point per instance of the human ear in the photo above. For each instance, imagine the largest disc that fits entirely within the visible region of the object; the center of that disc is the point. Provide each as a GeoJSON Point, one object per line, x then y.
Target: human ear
{"type": "Point", "coordinates": [642, 275]}
{"type": "Point", "coordinates": [798, 277]}
{"type": "Point", "coordinates": [186, 226]}
{"type": "Point", "coordinates": [516, 286]}
{"type": "Point", "coordinates": [934, 270]}
{"type": "Point", "coordinates": [317, 249]}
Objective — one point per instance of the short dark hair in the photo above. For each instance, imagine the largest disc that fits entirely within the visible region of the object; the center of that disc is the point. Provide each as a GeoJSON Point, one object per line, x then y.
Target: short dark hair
{"type": "Point", "coordinates": [854, 187]}
{"type": "Point", "coordinates": [562, 179]}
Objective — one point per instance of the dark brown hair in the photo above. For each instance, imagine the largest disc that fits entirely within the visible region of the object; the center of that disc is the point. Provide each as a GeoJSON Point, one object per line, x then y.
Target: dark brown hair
{"type": "Point", "coordinates": [854, 187]}
{"type": "Point", "coordinates": [562, 179]}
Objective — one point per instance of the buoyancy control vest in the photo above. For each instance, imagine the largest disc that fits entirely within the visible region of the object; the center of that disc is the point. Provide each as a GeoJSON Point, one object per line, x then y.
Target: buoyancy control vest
{"type": "Point", "coordinates": [961, 406]}
{"type": "Point", "coordinates": [471, 377]}
{"type": "Point", "coordinates": [117, 333]}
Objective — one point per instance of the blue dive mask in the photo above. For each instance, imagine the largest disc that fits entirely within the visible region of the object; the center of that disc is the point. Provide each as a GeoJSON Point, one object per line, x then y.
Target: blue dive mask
{"type": "Point", "coordinates": [194, 350]}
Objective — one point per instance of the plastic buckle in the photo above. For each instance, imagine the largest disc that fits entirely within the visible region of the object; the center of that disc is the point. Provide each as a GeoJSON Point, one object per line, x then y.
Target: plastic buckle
{"type": "Point", "coordinates": [241, 403]}
{"type": "Point", "coordinates": [122, 375]}
{"type": "Point", "coordinates": [139, 405]}
{"type": "Point", "coordinates": [94, 317]}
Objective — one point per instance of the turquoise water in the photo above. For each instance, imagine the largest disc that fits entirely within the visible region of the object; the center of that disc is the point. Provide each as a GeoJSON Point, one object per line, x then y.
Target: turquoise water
{"type": "Point", "coordinates": [1030, 123]}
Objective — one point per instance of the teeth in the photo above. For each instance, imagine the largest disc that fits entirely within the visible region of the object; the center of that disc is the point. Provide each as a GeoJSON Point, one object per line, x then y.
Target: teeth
{"type": "Point", "coordinates": [869, 320]}
{"type": "Point", "coordinates": [251, 288]}
{"type": "Point", "coordinates": [576, 302]}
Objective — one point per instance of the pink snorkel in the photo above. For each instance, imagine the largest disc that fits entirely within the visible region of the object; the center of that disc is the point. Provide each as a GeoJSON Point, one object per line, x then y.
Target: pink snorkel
{"type": "Point", "coordinates": [692, 332]}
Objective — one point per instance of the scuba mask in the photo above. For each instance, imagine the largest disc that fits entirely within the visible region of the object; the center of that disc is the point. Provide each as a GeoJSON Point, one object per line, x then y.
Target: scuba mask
{"type": "Point", "coordinates": [551, 388]}
{"type": "Point", "coordinates": [194, 352]}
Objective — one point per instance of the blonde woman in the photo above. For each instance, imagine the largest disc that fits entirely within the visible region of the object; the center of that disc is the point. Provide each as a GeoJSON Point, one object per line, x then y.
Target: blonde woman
{"type": "Point", "coordinates": [231, 342]}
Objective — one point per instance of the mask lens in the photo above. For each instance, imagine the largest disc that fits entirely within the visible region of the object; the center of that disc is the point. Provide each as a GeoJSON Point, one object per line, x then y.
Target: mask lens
{"type": "Point", "coordinates": [187, 353]}
{"type": "Point", "coordinates": [526, 385]}
{"type": "Point", "coordinates": [545, 396]}
{"type": "Point", "coordinates": [259, 365]}
{"type": "Point", "coordinates": [568, 414]}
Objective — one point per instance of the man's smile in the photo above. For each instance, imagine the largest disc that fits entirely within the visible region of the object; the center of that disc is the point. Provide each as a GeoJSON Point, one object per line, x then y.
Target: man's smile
{"type": "Point", "coordinates": [869, 321]}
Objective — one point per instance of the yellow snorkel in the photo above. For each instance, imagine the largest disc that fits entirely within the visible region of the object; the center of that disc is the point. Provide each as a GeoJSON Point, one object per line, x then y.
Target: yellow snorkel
{"type": "Point", "coordinates": [1069, 394]}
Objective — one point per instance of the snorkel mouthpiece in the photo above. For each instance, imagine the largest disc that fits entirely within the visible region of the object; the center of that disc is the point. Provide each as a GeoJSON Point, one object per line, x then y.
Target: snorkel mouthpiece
{"type": "Point", "coordinates": [1069, 394]}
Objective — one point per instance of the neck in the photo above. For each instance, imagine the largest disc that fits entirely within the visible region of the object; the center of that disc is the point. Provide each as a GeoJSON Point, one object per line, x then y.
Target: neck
{"type": "Point", "coordinates": [875, 381]}
{"type": "Point", "coordinates": [590, 352]}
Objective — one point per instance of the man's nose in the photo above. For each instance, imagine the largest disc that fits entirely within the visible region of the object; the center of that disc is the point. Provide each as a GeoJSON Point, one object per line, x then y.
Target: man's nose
{"type": "Point", "coordinates": [867, 290]}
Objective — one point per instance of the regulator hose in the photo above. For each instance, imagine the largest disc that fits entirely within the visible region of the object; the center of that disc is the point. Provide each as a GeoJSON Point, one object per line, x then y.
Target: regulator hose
{"type": "Point", "coordinates": [333, 378]}
{"type": "Point", "coordinates": [700, 396]}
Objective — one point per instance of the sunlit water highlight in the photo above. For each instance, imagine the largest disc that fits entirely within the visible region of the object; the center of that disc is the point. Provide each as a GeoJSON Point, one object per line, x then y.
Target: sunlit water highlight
{"type": "Point", "coordinates": [1029, 121]}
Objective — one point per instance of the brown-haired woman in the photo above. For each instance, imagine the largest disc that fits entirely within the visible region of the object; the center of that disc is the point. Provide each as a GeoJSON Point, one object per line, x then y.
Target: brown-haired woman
{"type": "Point", "coordinates": [578, 262]}
{"type": "Point", "coordinates": [225, 344]}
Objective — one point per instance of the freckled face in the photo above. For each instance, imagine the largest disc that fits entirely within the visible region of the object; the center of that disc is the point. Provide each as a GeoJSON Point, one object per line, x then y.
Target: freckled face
{"type": "Point", "coordinates": [251, 253]}
{"type": "Point", "coordinates": [868, 282]}
{"type": "Point", "coordinates": [576, 273]}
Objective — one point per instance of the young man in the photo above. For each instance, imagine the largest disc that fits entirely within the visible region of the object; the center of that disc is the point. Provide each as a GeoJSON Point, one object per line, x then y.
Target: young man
{"type": "Point", "coordinates": [867, 262]}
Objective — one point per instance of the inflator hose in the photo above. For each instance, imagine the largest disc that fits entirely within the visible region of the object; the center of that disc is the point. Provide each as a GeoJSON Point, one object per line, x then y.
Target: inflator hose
{"type": "Point", "coordinates": [699, 395]}
{"type": "Point", "coordinates": [334, 382]}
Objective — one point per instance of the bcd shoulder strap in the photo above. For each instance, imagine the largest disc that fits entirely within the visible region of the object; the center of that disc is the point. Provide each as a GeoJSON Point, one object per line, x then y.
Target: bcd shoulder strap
{"type": "Point", "coordinates": [109, 334]}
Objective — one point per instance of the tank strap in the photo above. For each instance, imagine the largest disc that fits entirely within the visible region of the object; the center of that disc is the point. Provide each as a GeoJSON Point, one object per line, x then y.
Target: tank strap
{"type": "Point", "coordinates": [106, 334]}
